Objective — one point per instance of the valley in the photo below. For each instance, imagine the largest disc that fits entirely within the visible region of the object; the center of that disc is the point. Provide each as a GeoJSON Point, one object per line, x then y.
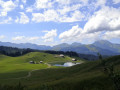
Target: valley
{"type": "Point", "coordinates": [39, 76]}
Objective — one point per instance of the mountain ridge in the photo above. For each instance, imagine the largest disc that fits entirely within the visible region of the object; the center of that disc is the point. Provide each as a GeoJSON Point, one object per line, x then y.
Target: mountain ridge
{"type": "Point", "coordinates": [102, 46]}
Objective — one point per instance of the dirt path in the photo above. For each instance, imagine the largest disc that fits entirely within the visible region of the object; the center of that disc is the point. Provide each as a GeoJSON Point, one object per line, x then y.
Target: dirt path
{"type": "Point", "coordinates": [29, 73]}
{"type": "Point", "coordinates": [48, 65]}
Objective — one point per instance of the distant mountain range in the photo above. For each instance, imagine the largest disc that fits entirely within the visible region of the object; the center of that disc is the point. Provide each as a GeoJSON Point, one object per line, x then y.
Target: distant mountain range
{"type": "Point", "coordinates": [102, 46]}
{"type": "Point", "coordinates": [25, 45]}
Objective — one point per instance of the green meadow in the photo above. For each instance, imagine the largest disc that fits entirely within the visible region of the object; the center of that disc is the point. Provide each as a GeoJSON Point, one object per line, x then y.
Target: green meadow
{"type": "Point", "coordinates": [15, 67]}
{"type": "Point", "coordinates": [88, 75]}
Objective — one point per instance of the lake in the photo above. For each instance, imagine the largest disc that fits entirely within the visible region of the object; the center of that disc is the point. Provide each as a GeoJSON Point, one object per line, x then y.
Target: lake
{"type": "Point", "coordinates": [67, 64]}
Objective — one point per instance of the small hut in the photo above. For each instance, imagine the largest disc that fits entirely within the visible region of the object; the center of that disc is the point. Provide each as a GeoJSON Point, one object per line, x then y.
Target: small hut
{"type": "Point", "coordinates": [74, 59]}
{"type": "Point", "coordinates": [61, 55]}
{"type": "Point", "coordinates": [41, 61]}
{"type": "Point", "coordinates": [32, 62]}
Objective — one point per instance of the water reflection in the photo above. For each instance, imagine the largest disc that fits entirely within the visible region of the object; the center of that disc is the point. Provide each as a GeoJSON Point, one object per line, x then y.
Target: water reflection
{"type": "Point", "coordinates": [67, 64]}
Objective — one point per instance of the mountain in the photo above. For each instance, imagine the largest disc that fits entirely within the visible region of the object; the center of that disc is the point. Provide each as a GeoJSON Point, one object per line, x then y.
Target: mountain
{"type": "Point", "coordinates": [89, 49]}
{"type": "Point", "coordinates": [60, 46]}
{"type": "Point", "coordinates": [75, 44]}
{"type": "Point", "coordinates": [25, 45]}
{"type": "Point", "coordinates": [104, 44]}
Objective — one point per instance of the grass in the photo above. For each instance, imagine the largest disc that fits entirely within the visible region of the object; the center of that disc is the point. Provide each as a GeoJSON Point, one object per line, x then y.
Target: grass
{"type": "Point", "coordinates": [13, 67]}
{"type": "Point", "coordinates": [86, 76]}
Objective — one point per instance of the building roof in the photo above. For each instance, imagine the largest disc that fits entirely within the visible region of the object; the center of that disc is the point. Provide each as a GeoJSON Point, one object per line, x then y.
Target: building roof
{"type": "Point", "coordinates": [61, 55]}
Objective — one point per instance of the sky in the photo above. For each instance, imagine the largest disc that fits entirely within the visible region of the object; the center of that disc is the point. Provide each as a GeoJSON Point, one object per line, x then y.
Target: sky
{"type": "Point", "coordinates": [51, 22]}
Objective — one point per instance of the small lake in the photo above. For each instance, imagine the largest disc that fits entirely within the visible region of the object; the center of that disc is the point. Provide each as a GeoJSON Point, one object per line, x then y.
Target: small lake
{"type": "Point", "coordinates": [67, 64]}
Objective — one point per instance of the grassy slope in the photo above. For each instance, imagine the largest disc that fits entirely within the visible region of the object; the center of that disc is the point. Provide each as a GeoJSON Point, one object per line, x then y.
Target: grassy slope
{"type": "Point", "coordinates": [86, 76]}
{"type": "Point", "coordinates": [12, 67]}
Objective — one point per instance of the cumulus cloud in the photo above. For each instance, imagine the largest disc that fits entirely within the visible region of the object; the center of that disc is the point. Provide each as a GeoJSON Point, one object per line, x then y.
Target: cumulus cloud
{"type": "Point", "coordinates": [3, 13]}
{"type": "Point", "coordinates": [2, 36]}
{"type": "Point", "coordinates": [21, 6]}
{"type": "Point", "coordinates": [49, 36]}
{"type": "Point", "coordinates": [64, 2]}
{"type": "Point", "coordinates": [111, 34]}
{"type": "Point", "coordinates": [18, 38]}
{"type": "Point", "coordinates": [33, 38]}
{"type": "Point", "coordinates": [100, 2]}
{"type": "Point", "coordinates": [24, 1]}
{"type": "Point", "coordinates": [40, 4]}
{"type": "Point", "coordinates": [65, 9]}
{"type": "Point", "coordinates": [7, 20]}
{"type": "Point", "coordinates": [71, 34]}
{"type": "Point", "coordinates": [49, 15]}
{"type": "Point", "coordinates": [65, 13]}
{"type": "Point", "coordinates": [7, 5]}
{"type": "Point", "coordinates": [74, 16]}
{"type": "Point", "coordinates": [29, 9]}
{"type": "Point", "coordinates": [106, 19]}
{"type": "Point", "coordinates": [52, 15]}
{"type": "Point", "coordinates": [17, 20]}
{"type": "Point", "coordinates": [23, 18]}
{"type": "Point", "coordinates": [76, 34]}
{"type": "Point", "coordinates": [116, 1]}
{"type": "Point", "coordinates": [25, 39]}
{"type": "Point", "coordinates": [104, 24]}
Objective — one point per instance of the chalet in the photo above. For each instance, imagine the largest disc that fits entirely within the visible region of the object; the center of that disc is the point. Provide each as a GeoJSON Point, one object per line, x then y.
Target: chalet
{"type": "Point", "coordinates": [74, 59]}
{"type": "Point", "coordinates": [41, 61]}
{"type": "Point", "coordinates": [61, 55]}
{"type": "Point", "coordinates": [32, 62]}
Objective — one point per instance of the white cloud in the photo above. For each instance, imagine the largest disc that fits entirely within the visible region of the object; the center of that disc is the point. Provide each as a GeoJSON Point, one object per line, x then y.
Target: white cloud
{"type": "Point", "coordinates": [65, 9]}
{"type": "Point", "coordinates": [23, 18]}
{"type": "Point", "coordinates": [37, 17]}
{"type": "Point", "coordinates": [6, 21]}
{"type": "Point", "coordinates": [49, 15]}
{"type": "Point", "coordinates": [40, 4]}
{"type": "Point", "coordinates": [18, 38]}
{"type": "Point", "coordinates": [25, 39]}
{"type": "Point", "coordinates": [21, 6]}
{"type": "Point", "coordinates": [3, 13]}
{"type": "Point", "coordinates": [49, 36]}
{"type": "Point", "coordinates": [52, 15]}
{"type": "Point", "coordinates": [116, 1]}
{"type": "Point", "coordinates": [8, 5]}
{"type": "Point", "coordinates": [101, 2]}
{"type": "Point", "coordinates": [24, 1]}
{"type": "Point", "coordinates": [70, 34]}
{"type": "Point", "coordinates": [111, 34]}
{"type": "Point", "coordinates": [2, 36]}
{"type": "Point", "coordinates": [65, 13]}
{"type": "Point", "coordinates": [5, 7]}
{"type": "Point", "coordinates": [106, 19]}
{"type": "Point", "coordinates": [33, 38]}
{"type": "Point", "coordinates": [76, 34]}
{"type": "Point", "coordinates": [75, 16]}
{"type": "Point", "coordinates": [29, 9]}
{"type": "Point", "coordinates": [64, 2]}
{"type": "Point", "coordinates": [17, 20]}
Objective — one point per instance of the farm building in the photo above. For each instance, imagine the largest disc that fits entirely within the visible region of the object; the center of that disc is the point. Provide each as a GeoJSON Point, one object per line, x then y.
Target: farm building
{"type": "Point", "coordinates": [32, 62]}
{"type": "Point", "coordinates": [61, 55]}
{"type": "Point", "coordinates": [74, 59]}
{"type": "Point", "coordinates": [41, 61]}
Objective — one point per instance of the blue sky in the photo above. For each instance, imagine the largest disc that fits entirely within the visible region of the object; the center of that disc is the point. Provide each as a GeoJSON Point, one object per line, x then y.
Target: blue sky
{"type": "Point", "coordinates": [51, 22]}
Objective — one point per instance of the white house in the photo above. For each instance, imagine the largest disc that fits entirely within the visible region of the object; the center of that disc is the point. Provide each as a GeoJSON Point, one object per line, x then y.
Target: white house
{"type": "Point", "coordinates": [32, 62]}
{"type": "Point", "coordinates": [41, 61]}
{"type": "Point", "coordinates": [74, 59]}
{"type": "Point", "coordinates": [61, 55]}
